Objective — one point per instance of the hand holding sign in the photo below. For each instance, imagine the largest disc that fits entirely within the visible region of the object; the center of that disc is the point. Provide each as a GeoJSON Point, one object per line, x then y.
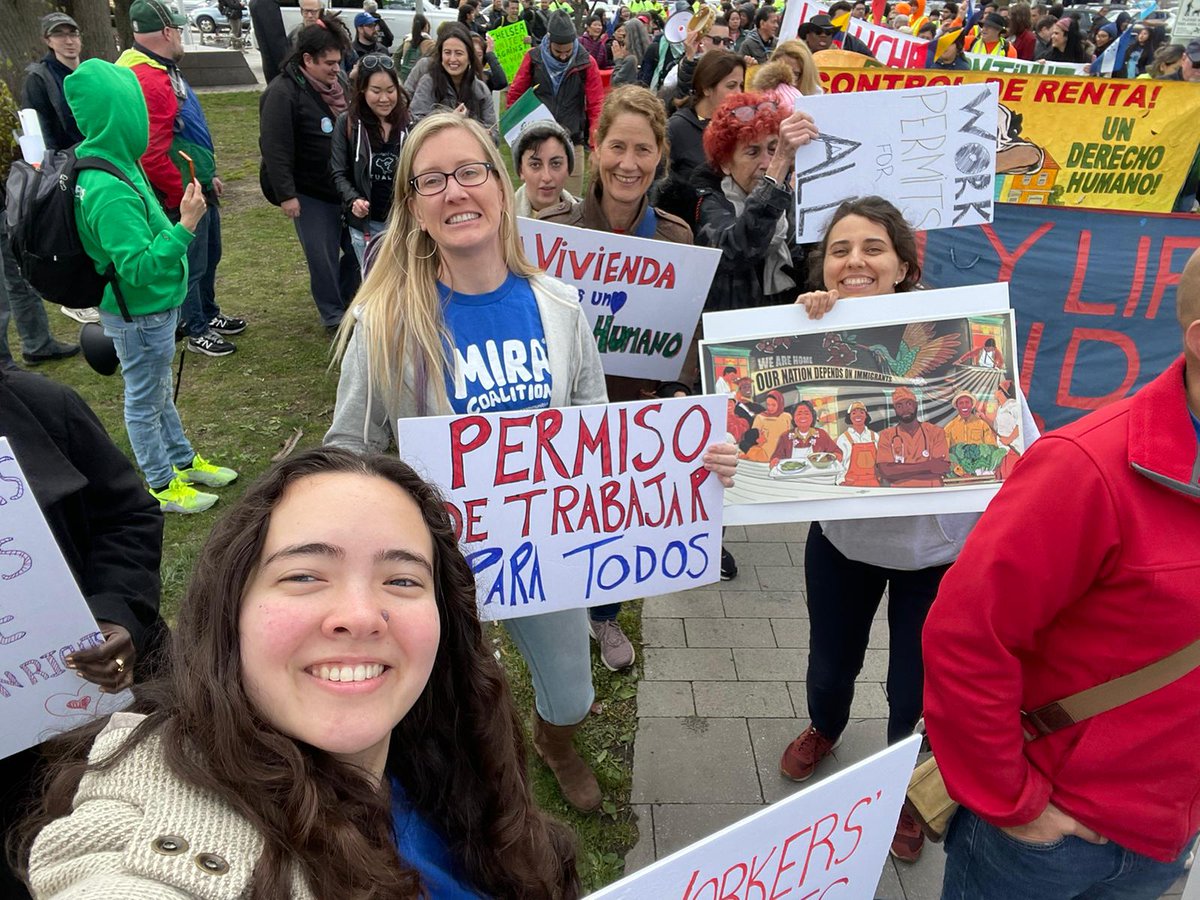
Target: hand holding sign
{"type": "Point", "coordinates": [795, 131]}
{"type": "Point", "coordinates": [109, 665]}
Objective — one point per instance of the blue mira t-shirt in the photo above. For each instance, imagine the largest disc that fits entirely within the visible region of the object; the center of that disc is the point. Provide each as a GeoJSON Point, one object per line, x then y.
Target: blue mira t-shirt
{"type": "Point", "coordinates": [499, 350]}
{"type": "Point", "coordinates": [425, 850]}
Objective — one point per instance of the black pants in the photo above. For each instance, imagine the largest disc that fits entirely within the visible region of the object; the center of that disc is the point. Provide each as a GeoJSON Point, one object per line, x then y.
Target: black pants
{"type": "Point", "coordinates": [843, 595]}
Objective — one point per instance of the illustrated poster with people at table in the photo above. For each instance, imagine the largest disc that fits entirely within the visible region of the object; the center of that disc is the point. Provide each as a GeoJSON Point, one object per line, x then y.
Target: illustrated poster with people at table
{"type": "Point", "coordinates": [919, 406]}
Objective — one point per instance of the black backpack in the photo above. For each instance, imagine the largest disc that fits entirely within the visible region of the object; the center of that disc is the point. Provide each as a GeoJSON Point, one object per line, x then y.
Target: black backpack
{"type": "Point", "coordinates": [43, 234]}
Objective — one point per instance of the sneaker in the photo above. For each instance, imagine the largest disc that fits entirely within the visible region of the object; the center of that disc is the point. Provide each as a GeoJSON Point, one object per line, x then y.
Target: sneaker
{"type": "Point", "coordinates": [210, 344]}
{"type": "Point", "coordinates": [909, 839]}
{"type": "Point", "coordinates": [82, 316]}
{"type": "Point", "coordinates": [223, 324]}
{"type": "Point", "coordinates": [728, 566]}
{"type": "Point", "coordinates": [802, 755]}
{"type": "Point", "coordinates": [183, 498]}
{"type": "Point", "coordinates": [616, 652]}
{"type": "Point", "coordinates": [201, 471]}
{"type": "Point", "coordinates": [58, 350]}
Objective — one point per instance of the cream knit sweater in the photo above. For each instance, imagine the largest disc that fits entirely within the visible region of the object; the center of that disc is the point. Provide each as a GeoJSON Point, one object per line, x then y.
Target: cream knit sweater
{"type": "Point", "coordinates": [137, 832]}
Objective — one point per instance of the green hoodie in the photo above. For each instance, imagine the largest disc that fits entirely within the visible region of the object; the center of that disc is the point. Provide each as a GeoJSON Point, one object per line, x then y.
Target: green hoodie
{"type": "Point", "coordinates": [116, 224]}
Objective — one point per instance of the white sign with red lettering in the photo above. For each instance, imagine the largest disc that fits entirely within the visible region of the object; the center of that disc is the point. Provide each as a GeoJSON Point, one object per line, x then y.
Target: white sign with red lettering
{"type": "Point", "coordinates": [581, 506]}
{"type": "Point", "coordinates": [827, 842]}
{"type": "Point", "coordinates": [892, 48]}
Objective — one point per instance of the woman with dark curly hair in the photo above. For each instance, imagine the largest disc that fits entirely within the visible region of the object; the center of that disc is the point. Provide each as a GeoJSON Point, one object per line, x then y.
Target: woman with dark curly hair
{"type": "Point", "coordinates": [333, 723]}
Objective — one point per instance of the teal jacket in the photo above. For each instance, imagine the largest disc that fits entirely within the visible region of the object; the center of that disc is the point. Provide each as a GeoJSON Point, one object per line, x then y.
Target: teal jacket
{"type": "Point", "coordinates": [118, 225]}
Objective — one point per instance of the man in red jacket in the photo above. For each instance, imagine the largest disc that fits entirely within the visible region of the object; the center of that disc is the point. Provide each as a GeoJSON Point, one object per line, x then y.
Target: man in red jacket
{"type": "Point", "coordinates": [1085, 567]}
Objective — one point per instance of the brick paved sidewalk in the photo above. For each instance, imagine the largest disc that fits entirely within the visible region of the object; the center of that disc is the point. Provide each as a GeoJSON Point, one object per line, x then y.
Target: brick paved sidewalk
{"type": "Point", "coordinates": [723, 693]}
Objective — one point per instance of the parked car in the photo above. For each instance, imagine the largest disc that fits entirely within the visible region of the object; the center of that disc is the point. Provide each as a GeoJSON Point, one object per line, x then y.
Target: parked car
{"type": "Point", "coordinates": [209, 19]}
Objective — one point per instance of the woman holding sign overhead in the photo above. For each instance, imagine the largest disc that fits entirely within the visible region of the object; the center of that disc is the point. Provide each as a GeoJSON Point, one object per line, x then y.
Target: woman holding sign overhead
{"type": "Point", "coordinates": [332, 724]}
{"type": "Point", "coordinates": [869, 250]}
{"type": "Point", "coordinates": [450, 282]}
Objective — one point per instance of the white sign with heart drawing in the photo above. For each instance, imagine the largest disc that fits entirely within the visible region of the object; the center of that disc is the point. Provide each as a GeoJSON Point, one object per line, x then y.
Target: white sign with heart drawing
{"type": "Point", "coordinates": [43, 618]}
{"type": "Point", "coordinates": [642, 297]}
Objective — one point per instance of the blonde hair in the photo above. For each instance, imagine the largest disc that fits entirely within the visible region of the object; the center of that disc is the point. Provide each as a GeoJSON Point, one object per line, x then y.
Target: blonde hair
{"type": "Point", "coordinates": [639, 101]}
{"type": "Point", "coordinates": [809, 82]}
{"type": "Point", "coordinates": [398, 303]}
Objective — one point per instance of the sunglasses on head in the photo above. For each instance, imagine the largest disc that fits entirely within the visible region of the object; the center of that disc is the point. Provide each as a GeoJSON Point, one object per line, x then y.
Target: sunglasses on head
{"type": "Point", "coordinates": [746, 113]}
{"type": "Point", "coordinates": [377, 61]}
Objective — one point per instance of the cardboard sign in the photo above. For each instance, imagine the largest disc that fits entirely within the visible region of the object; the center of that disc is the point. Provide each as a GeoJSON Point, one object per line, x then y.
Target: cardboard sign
{"type": "Point", "coordinates": [1094, 293]}
{"type": "Point", "coordinates": [642, 297]}
{"type": "Point", "coordinates": [526, 111]}
{"type": "Point", "coordinates": [511, 46]}
{"type": "Point", "coordinates": [892, 48]}
{"type": "Point", "coordinates": [930, 151]}
{"type": "Point", "coordinates": [985, 62]}
{"type": "Point", "coordinates": [816, 407]}
{"type": "Point", "coordinates": [43, 618]}
{"type": "Point", "coordinates": [581, 506]}
{"type": "Point", "coordinates": [1103, 143]}
{"type": "Point", "coordinates": [829, 840]}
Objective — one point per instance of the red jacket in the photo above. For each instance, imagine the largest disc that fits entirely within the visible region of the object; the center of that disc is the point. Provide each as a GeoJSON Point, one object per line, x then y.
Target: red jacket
{"type": "Point", "coordinates": [1085, 567]}
{"type": "Point", "coordinates": [576, 106]}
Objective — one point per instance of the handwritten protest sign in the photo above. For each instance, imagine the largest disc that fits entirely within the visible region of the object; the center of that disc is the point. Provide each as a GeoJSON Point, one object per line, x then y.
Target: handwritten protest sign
{"type": "Point", "coordinates": [642, 297]}
{"type": "Point", "coordinates": [581, 506]}
{"type": "Point", "coordinates": [931, 151]}
{"type": "Point", "coordinates": [829, 840]}
{"type": "Point", "coordinates": [511, 46]}
{"type": "Point", "coordinates": [984, 62]}
{"type": "Point", "coordinates": [817, 407]}
{"type": "Point", "coordinates": [1187, 22]}
{"type": "Point", "coordinates": [43, 618]}
{"type": "Point", "coordinates": [1093, 290]}
{"type": "Point", "coordinates": [525, 112]}
{"type": "Point", "coordinates": [1104, 143]}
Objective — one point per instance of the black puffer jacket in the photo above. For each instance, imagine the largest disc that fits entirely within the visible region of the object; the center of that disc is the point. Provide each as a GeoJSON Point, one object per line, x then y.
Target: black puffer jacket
{"type": "Point", "coordinates": [295, 139]}
{"type": "Point", "coordinates": [744, 241]}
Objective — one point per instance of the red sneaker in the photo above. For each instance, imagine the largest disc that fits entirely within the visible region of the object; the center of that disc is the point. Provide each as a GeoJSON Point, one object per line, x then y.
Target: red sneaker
{"type": "Point", "coordinates": [909, 839]}
{"type": "Point", "coordinates": [802, 755]}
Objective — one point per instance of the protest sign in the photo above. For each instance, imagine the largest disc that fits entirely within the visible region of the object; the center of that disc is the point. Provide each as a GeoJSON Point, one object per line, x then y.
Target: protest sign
{"type": "Point", "coordinates": [1103, 143]}
{"type": "Point", "coordinates": [930, 151]}
{"type": "Point", "coordinates": [892, 48]}
{"type": "Point", "coordinates": [1094, 293]}
{"type": "Point", "coordinates": [829, 840]}
{"type": "Point", "coordinates": [526, 111]}
{"type": "Point", "coordinates": [580, 506]}
{"type": "Point", "coordinates": [511, 46]}
{"type": "Point", "coordinates": [43, 619]}
{"type": "Point", "coordinates": [642, 297]}
{"type": "Point", "coordinates": [816, 407]}
{"type": "Point", "coordinates": [985, 62]}
{"type": "Point", "coordinates": [1187, 22]}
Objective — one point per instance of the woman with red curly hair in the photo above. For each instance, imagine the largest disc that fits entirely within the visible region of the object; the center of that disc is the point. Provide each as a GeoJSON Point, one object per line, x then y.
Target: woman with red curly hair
{"type": "Point", "coordinates": [746, 203]}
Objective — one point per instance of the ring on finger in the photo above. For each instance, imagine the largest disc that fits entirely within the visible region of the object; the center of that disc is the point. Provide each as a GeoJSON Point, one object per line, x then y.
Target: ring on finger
{"type": "Point", "coordinates": [120, 665]}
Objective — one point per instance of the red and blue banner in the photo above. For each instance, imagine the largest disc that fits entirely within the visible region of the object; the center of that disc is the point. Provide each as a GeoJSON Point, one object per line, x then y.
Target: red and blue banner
{"type": "Point", "coordinates": [1094, 293]}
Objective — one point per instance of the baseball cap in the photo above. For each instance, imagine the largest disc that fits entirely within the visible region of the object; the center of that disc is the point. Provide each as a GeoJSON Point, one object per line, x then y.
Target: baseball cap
{"type": "Point", "coordinates": [148, 16]}
{"type": "Point", "coordinates": [56, 20]}
{"type": "Point", "coordinates": [364, 18]}
{"type": "Point", "coordinates": [1192, 52]}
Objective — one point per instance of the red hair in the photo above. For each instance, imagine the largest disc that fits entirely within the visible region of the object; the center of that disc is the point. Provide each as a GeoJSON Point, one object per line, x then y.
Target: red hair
{"type": "Point", "coordinates": [726, 131]}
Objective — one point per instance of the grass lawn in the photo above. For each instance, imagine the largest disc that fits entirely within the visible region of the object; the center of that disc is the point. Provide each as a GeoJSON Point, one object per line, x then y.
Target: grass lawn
{"type": "Point", "coordinates": [242, 410]}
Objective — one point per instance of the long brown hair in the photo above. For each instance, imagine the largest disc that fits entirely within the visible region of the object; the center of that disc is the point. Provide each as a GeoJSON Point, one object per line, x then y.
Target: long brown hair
{"type": "Point", "coordinates": [458, 754]}
{"type": "Point", "coordinates": [881, 212]}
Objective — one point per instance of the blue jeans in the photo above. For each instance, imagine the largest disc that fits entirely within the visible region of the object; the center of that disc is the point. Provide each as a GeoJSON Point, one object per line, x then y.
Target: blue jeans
{"type": "Point", "coordinates": [146, 348]}
{"type": "Point", "coordinates": [555, 647]}
{"type": "Point", "coordinates": [358, 239]}
{"type": "Point", "coordinates": [985, 863]}
{"type": "Point", "coordinates": [204, 254]}
{"type": "Point", "coordinates": [19, 301]}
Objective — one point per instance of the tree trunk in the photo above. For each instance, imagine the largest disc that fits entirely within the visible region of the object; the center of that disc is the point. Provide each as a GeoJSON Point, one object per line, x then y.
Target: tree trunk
{"type": "Point", "coordinates": [21, 39]}
{"type": "Point", "coordinates": [95, 23]}
{"type": "Point", "coordinates": [124, 29]}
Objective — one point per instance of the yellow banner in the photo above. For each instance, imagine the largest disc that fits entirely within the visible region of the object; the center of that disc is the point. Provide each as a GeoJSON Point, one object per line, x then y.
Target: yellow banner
{"type": "Point", "coordinates": [1101, 143]}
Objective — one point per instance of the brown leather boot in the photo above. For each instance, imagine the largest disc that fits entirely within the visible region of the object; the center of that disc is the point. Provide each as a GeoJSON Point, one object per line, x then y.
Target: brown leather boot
{"type": "Point", "coordinates": [555, 745]}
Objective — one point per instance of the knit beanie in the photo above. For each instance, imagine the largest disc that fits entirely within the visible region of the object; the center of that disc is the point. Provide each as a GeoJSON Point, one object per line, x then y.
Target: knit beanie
{"type": "Point", "coordinates": [561, 29]}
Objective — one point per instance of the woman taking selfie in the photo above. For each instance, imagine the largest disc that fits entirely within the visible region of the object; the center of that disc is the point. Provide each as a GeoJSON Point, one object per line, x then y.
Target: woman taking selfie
{"type": "Point", "coordinates": [366, 146]}
{"type": "Point", "coordinates": [452, 82]}
{"type": "Point", "coordinates": [333, 725]}
{"type": "Point", "coordinates": [450, 264]}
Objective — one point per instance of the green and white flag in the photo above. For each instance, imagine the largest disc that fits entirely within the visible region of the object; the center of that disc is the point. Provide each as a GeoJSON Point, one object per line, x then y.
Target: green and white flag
{"type": "Point", "coordinates": [527, 110]}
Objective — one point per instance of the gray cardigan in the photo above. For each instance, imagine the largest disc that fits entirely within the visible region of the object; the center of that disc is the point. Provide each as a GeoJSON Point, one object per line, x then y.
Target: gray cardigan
{"type": "Point", "coordinates": [363, 419]}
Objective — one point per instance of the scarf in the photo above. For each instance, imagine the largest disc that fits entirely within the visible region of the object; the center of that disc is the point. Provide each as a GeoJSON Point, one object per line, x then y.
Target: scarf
{"type": "Point", "coordinates": [775, 280]}
{"type": "Point", "coordinates": [333, 95]}
{"type": "Point", "coordinates": [555, 67]}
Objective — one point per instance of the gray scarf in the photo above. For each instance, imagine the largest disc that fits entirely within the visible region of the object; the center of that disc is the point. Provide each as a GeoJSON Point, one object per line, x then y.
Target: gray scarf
{"type": "Point", "coordinates": [775, 280]}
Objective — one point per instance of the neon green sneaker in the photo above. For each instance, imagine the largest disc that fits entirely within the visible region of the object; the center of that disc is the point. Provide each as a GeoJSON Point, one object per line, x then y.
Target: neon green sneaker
{"type": "Point", "coordinates": [201, 471]}
{"type": "Point", "coordinates": [183, 498]}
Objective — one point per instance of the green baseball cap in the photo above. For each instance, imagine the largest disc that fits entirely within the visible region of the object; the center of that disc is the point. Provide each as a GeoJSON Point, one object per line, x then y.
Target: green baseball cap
{"type": "Point", "coordinates": [148, 16]}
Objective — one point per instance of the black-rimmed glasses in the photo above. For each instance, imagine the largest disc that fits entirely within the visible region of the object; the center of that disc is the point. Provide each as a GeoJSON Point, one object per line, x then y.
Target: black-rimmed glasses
{"type": "Point", "coordinates": [430, 184]}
